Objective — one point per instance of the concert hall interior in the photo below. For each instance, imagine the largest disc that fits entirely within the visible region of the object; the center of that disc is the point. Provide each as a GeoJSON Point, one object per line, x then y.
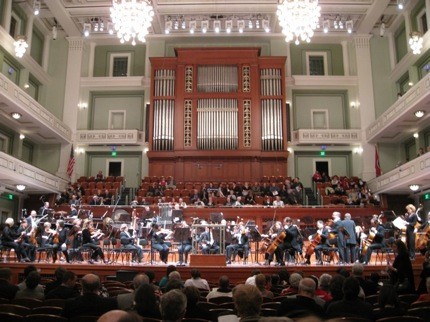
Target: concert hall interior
{"type": "Point", "coordinates": [214, 143]}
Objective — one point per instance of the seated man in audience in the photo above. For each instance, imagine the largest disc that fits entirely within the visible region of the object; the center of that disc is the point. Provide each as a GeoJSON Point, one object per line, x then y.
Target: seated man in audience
{"type": "Point", "coordinates": [247, 301]}
{"type": "Point", "coordinates": [426, 296]}
{"type": "Point", "coordinates": [59, 274]}
{"type": "Point", "coordinates": [90, 302]}
{"type": "Point", "coordinates": [31, 290]}
{"type": "Point", "coordinates": [223, 289]}
{"type": "Point", "coordinates": [173, 305]}
{"type": "Point", "coordinates": [7, 289]}
{"type": "Point", "coordinates": [68, 288]}
{"type": "Point", "coordinates": [126, 301]}
{"type": "Point", "coordinates": [197, 281]}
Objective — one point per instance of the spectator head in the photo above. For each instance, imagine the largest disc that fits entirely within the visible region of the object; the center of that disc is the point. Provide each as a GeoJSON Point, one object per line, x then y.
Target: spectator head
{"type": "Point", "coordinates": [90, 283]}
{"type": "Point", "coordinates": [307, 287]}
{"type": "Point", "coordinates": [175, 275]}
{"type": "Point", "coordinates": [145, 299]}
{"type": "Point", "coordinates": [170, 269]}
{"type": "Point", "coordinates": [224, 282]}
{"type": "Point", "coordinates": [29, 269]}
{"type": "Point", "coordinates": [173, 305]}
{"type": "Point", "coordinates": [139, 279]}
{"type": "Point", "coordinates": [59, 273]}
{"type": "Point", "coordinates": [151, 276]}
{"type": "Point", "coordinates": [174, 284]}
{"type": "Point", "coordinates": [69, 279]}
{"type": "Point", "coordinates": [5, 273]}
{"type": "Point", "coordinates": [284, 276]}
{"type": "Point", "coordinates": [119, 316]}
{"type": "Point", "coordinates": [357, 270]}
{"type": "Point", "coordinates": [32, 280]}
{"type": "Point", "coordinates": [195, 273]}
{"type": "Point", "coordinates": [347, 215]}
{"type": "Point", "coordinates": [342, 271]}
{"type": "Point", "coordinates": [388, 296]}
{"type": "Point", "coordinates": [295, 279]}
{"type": "Point", "coordinates": [275, 279]}
{"type": "Point", "coordinates": [351, 288]}
{"type": "Point", "coordinates": [193, 295]}
{"type": "Point", "coordinates": [260, 281]}
{"type": "Point", "coordinates": [247, 300]}
{"type": "Point", "coordinates": [335, 287]}
{"type": "Point", "coordinates": [324, 281]}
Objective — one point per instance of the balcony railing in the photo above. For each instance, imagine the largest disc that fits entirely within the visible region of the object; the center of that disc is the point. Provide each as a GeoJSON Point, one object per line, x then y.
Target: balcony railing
{"type": "Point", "coordinates": [334, 136]}
{"type": "Point", "coordinates": [101, 137]}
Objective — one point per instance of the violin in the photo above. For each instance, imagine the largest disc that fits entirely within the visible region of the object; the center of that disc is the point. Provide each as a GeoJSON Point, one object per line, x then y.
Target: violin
{"type": "Point", "coordinates": [278, 240]}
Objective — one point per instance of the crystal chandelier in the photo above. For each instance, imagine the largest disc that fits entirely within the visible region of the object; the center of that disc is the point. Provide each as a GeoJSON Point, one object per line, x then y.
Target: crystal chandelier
{"type": "Point", "coordinates": [298, 19]}
{"type": "Point", "coordinates": [20, 46]}
{"type": "Point", "coordinates": [416, 42]}
{"type": "Point", "coordinates": [131, 19]}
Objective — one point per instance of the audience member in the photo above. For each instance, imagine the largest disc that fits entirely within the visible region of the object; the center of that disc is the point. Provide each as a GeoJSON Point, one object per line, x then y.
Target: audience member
{"type": "Point", "coordinates": [31, 289]}
{"type": "Point", "coordinates": [90, 302]}
{"type": "Point", "coordinates": [173, 305]}
{"type": "Point", "coordinates": [223, 289]}
{"type": "Point", "coordinates": [293, 287]}
{"type": "Point", "coordinates": [59, 274]}
{"type": "Point", "coordinates": [146, 301]}
{"type": "Point", "coordinates": [425, 296]}
{"type": "Point", "coordinates": [162, 283]}
{"type": "Point", "coordinates": [7, 289]}
{"type": "Point", "coordinates": [260, 283]}
{"type": "Point", "coordinates": [193, 310]}
{"type": "Point", "coordinates": [388, 303]}
{"type": "Point", "coordinates": [247, 301]}
{"type": "Point", "coordinates": [126, 301]}
{"type": "Point", "coordinates": [251, 280]}
{"type": "Point", "coordinates": [27, 270]}
{"type": "Point", "coordinates": [119, 316]}
{"type": "Point", "coordinates": [197, 281]}
{"type": "Point", "coordinates": [323, 289]}
{"type": "Point", "coordinates": [350, 305]}
{"type": "Point", "coordinates": [68, 288]}
{"type": "Point", "coordinates": [303, 304]}
{"type": "Point", "coordinates": [368, 287]}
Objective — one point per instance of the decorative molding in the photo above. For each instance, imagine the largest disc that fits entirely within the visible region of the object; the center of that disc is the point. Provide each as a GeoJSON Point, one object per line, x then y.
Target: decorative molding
{"type": "Point", "coordinates": [246, 79]}
{"type": "Point", "coordinates": [31, 176]}
{"type": "Point", "coordinates": [189, 72]}
{"type": "Point", "coordinates": [107, 83]}
{"type": "Point", "coordinates": [188, 123]}
{"type": "Point", "coordinates": [247, 123]}
{"type": "Point", "coordinates": [75, 43]}
{"type": "Point", "coordinates": [362, 41]}
{"type": "Point", "coordinates": [331, 136]}
{"type": "Point", "coordinates": [98, 137]}
{"type": "Point", "coordinates": [323, 81]}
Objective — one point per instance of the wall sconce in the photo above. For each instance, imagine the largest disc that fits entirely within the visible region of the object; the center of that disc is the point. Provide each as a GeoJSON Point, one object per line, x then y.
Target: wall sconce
{"type": "Point", "coordinates": [86, 30]}
{"type": "Point", "coordinates": [419, 114]}
{"type": "Point", "coordinates": [21, 136]}
{"type": "Point", "coordinates": [349, 26]}
{"type": "Point", "coordinates": [16, 115]}
{"type": "Point", "coordinates": [83, 106]}
{"type": "Point", "coordinates": [358, 150]}
{"type": "Point", "coordinates": [266, 25]}
{"type": "Point", "coordinates": [205, 26]}
{"type": "Point", "coordinates": [354, 105]}
{"type": "Point", "coordinates": [400, 4]}
{"type": "Point", "coordinates": [416, 135]}
{"type": "Point", "coordinates": [168, 25]}
{"type": "Point", "coordinates": [241, 25]}
{"type": "Point", "coordinates": [80, 150]}
{"type": "Point", "coordinates": [20, 46]}
{"type": "Point", "coordinates": [326, 26]}
{"type": "Point", "coordinates": [228, 26]}
{"type": "Point", "coordinates": [146, 150]}
{"type": "Point", "coordinates": [193, 26]}
{"type": "Point", "coordinates": [414, 187]}
{"type": "Point", "coordinates": [21, 187]}
{"type": "Point", "coordinates": [217, 26]}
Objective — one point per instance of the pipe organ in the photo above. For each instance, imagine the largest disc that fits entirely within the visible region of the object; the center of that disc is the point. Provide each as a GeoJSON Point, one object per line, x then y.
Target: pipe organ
{"type": "Point", "coordinates": [217, 114]}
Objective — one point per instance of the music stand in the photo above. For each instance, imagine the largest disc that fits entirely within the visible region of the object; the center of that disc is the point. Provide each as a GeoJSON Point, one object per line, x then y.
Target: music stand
{"type": "Point", "coordinates": [256, 237]}
{"type": "Point", "coordinates": [181, 234]}
{"type": "Point", "coordinates": [216, 217]}
{"type": "Point", "coordinates": [177, 213]}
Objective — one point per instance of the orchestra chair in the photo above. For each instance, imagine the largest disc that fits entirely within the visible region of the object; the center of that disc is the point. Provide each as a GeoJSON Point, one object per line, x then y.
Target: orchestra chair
{"type": "Point", "coordinates": [380, 253]}
{"type": "Point", "coordinates": [45, 318]}
{"type": "Point", "coordinates": [10, 317]}
{"type": "Point", "coordinates": [124, 253]}
{"type": "Point", "coordinates": [7, 251]}
{"type": "Point", "coordinates": [44, 252]}
{"type": "Point", "coordinates": [15, 309]}
{"type": "Point", "coordinates": [107, 248]}
{"type": "Point", "coordinates": [328, 255]}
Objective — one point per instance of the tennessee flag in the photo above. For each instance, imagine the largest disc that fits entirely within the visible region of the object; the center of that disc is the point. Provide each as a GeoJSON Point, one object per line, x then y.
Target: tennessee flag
{"type": "Point", "coordinates": [377, 165]}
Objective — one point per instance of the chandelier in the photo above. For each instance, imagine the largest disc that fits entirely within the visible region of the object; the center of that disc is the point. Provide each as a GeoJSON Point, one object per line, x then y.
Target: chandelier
{"type": "Point", "coordinates": [131, 19]}
{"type": "Point", "coordinates": [298, 19]}
{"type": "Point", "coordinates": [20, 46]}
{"type": "Point", "coordinates": [416, 43]}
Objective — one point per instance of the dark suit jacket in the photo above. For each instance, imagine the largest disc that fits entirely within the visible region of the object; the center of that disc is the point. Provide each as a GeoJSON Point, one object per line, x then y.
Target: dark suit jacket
{"type": "Point", "coordinates": [63, 292]}
{"type": "Point", "coordinates": [300, 306]}
{"type": "Point", "coordinates": [349, 226]}
{"type": "Point", "coordinates": [89, 304]}
{"type": "Point", "coordinates": [7, 290]}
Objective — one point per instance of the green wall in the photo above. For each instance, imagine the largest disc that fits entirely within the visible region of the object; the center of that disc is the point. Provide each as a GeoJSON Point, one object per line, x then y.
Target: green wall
{"type": "Point", "coordinates": [102, 59]}
{"type": "Point", "coordinates": [36, 50]}
{"type": "Point", "coordinates": [334, 58]}
{"type": "Point", "coordinates": [47, 157]}
{"type": "Point", "coordinates": [401, 42]}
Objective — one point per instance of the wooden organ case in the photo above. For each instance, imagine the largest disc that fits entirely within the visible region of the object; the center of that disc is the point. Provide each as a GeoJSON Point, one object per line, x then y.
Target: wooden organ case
{"type": "Point", "coordinates": [218, 114]}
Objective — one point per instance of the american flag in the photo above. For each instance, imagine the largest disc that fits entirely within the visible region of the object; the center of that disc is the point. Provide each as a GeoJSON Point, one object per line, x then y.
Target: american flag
{"type": "Point", "coordinates": [71, 164]}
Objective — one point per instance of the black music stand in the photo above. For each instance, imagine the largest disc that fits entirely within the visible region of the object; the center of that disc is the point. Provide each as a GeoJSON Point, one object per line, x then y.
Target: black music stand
{"type": "Point", "coordinates": [181, 234]}
{"type": "Point", "coordinates": [146, 233]}
{"type": "Point", "coordinates": [256, 237]}
{"type": "Point", "coordinates": [177, 213]}
{"type": "Point", "coordinates": [216, 217]}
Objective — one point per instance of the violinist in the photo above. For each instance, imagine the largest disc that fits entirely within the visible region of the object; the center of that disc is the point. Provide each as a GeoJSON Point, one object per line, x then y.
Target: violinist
{"type": "Point", "coordinates": [25, 232]}
{"type": "Point", "coordinates": [44, 210]}
{"type": "Point", "coordinates": [32, 219]}
{"type": "Point", "coordinates": [242, 245]}
{"type": "Point", "coordinates": [159, 237]}
{"type": "Point", "coordinates": [319, 242]}
{"type": "Point", "coordinates": [375, 240]}
{"type": "Point", "coordinates": [411, 220]}
{"type": "Point", "coordinates": [61, 239]}
{"type": "Point", "coordinates": [10, 237]}
{"type": "Point", "coordinates": [46, 240]}
{"type": "Point", "coordinates": [89, 240]}
{"type": "Point", "coordinates": [290, 244]}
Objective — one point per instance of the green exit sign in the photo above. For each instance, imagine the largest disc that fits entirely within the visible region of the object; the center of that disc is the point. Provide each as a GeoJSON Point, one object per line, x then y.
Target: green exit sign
{"type": "Point", "coordinates": [322, 153]}
{"type": "Point", "coordinates": [10, 196]}
{"type": "Point", "coordinates": [426, 196]}
{"type": "Point", "coordinates": [113, 153]}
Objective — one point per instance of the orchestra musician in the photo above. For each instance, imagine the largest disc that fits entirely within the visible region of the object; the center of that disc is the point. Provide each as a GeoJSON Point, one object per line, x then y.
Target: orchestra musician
{"type": "Point", "coordinates": [375, 239]}
{"type": "Point", "coordinates": [32, 219]}
{"type": "Point", "coordinates": [63, 233]}
{"type": "Point", "coordinates": [185, 246]}
{"type": "Point", "coordinates": [207, 242]}
{"type": "Point", "coordinates": [46, 240]}
{"type": "Point", "coordinates": [10, 237]}
{"type": "Point", "coordinates": [25, 232]}
{"type": "Point", "coordinates": [339, 241]}
{"type": "Point", "coordinates": [90, 239]}
{"type": "Point", "coordinates": [320, 239]}
{"type": "Point", "coordinates": [127, 242]}
{"type": "Point", "coordinates": [44, 209]}
{"type": "Point", "coordinates": [411, 220]}
{"type": "Point", "coordinates": [350, 238]}
{"type": "Point", "coordinates": [159, 237]}
{"type": "Point", "coordinates": [274, 231]}
{"type": "Point", "coordinates": [73, 211]}
{"type": "Point", "coordinates": [290, 244]}
{"type": "Point", "coordinates": [241, 234]}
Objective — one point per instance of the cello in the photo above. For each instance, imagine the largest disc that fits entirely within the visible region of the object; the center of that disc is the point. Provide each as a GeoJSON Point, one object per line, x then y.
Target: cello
{"type": "Point", "coordinates": [314, 243]}
{"type": "Point", "coordinates": [278, 240]}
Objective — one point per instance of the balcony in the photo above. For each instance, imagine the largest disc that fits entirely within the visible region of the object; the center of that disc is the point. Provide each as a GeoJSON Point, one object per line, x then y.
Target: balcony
{"type": "Point", "coordinates": [333, 136]}
{"type": "Point", "coordinates": [111, 137]}
{"type": "Point", "coordinates": [398, 123]}
{"type": "Point", "coordinates": [397, 181]}
{"type": "Point", "coordinates": [14, 171]}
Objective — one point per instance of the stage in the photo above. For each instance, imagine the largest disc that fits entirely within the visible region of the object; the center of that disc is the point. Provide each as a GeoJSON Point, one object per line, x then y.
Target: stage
{"type": "Point", "coordinates": [237, 271]}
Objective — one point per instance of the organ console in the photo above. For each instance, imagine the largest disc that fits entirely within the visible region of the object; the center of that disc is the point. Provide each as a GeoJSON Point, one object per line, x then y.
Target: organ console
{"type": "Point", "coordinates": [217, 106]}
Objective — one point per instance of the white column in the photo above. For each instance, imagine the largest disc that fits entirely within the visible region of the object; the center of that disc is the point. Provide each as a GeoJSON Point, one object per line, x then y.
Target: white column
{"type": "Point", "coordinates": [7, 15]}
{"type": "Point", "coordinates": [46, 50]}
{"type": "Point", "coordinates": [366, 101]}
{"type": "Point", "coordinates": [288, 66]}
{"type": "Point", "coordinates": [71, 97]}
{"type": "Point", "coordinates": [428, 12]}
{"type": "Point", "coordinates": [408, 26]}
{"type": "Point", "coordinates": [29, 30]}
{"type": "Point", "coordinates": [345, 57]}
{"type": "Point", "coordinates": [91, 59]}
{"type": "Point", "coordinates": [392, 50]}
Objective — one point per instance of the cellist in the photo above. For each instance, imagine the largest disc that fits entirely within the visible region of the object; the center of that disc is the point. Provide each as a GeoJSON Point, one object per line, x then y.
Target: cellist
{"type": "Point", "coordinates": [290, 244]}
{"type": "Point", "coordinates": [375, 240]}
{"type": "Point", "coordinates": [319, 242]}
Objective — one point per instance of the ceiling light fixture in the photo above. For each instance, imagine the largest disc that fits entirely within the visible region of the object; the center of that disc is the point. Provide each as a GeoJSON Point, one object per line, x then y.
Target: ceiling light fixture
{"type": "Point", "coordinates": [416, 42]}
{"type": "Point", "coordinates": [20, 46]}
{"type": "Point", "coordinates": [241, 25]}
{"type": "Point", "coordinates": [298, 19]}
{"type": "Point", "coordinates": [414, 187]}
{"type": "Point", "coordinates": [21, 136]}
{"type": "Point", "coordinates": [36, 7]}
{"type": "Point", "coordinates": [16, 115]}
{"type": "Point", "coordinates": [419, 113]}
{"type": "Point", "coordinates": [132, 19]}
{"type": "Point", "coordinates": [266, 25]}
{"type": "Point", "coordinates": [86, 30]}
{"type": "Point", "coordinates": [21, 187]}
{"type": "Point", "coordinates": [400, 4]}
{"type": "Point", "coordinates": [205, 26]}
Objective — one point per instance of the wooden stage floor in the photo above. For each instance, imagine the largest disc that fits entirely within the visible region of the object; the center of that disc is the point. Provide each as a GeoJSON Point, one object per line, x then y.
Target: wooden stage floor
{"type": "Point", "coordinates": [237, 271]}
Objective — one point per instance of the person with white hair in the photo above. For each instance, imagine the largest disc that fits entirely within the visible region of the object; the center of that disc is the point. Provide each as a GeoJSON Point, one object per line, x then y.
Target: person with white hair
{"type": "Point", "coordinates": [10, 238]}
{"type": "Point", "coordinates": [350, 239]}
{"type": "Point", "coordinates": [127, 242]}
{"type": "Point", "coordinates": [338, 229]}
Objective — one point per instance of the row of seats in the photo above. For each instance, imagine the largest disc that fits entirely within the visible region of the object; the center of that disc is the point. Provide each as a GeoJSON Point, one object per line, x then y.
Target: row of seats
{"type": "Point", "coordinates": [83, 179]}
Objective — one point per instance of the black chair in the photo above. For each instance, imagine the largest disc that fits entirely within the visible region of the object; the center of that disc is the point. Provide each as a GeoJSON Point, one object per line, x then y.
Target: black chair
{"type": "Point", "coordinates": [421, 312]}
{"type": "Point", "coordinates": [54, 302]}
{"type": "Point", "coordinates": [405, 318]}
{"type": "Point", "coordinates": [268, 312]}
{"type": "Point", "coordinates": [408, 298]}
{"type": "Point", "coordinates": [10, 317]}
{"type": "Point", "coordinates": [50, 310]}
{"type": "Point", "coordinates": [420, 304]}
{"type": "Point", "coordinates": [15, 309]}
{"type": "Point", "coordinates": [84, 318]}
{"type": "Point", "coordinates": [4, 301]}
{"type": "Point", "coordinates": [30, 303]}
{"type": "Point", "coordinates": [221, 299]}
{"type": "Point", "coordinates": [44, 318]}
{"type": "Point", "coordinates": [271, 305]}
